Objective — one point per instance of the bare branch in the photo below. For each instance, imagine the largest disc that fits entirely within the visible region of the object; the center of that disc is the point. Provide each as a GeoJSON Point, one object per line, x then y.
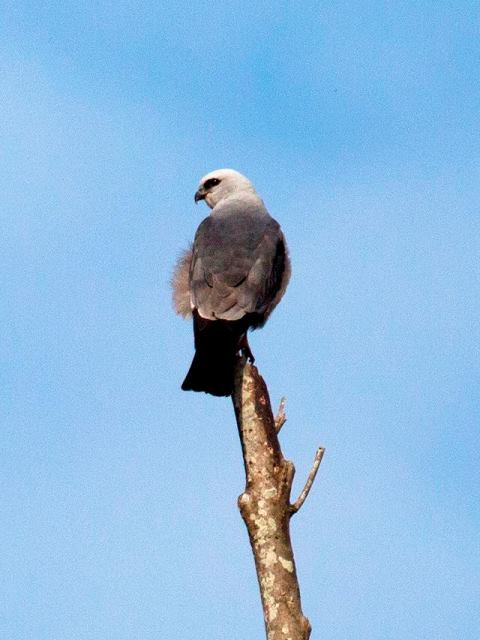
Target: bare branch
{"type": "Point", "coordinates": [297, 505]}
{"type": "Point", "coordinates": [265, 507]}
{"type": "Point", "coordinates": [280, 418]}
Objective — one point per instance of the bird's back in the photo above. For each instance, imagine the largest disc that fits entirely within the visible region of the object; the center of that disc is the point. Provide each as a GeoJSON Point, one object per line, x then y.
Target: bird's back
{"type": "Point", "coordinates": [233, 257]}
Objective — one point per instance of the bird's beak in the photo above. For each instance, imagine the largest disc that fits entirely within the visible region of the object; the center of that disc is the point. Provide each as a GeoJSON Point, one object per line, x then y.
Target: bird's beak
{"type": "Point", "coordinates": [200, 195]}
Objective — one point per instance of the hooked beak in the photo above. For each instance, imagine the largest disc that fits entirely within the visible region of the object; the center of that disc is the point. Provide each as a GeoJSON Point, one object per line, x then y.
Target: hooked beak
{"type": "Point", "coordinates": [200, 195]}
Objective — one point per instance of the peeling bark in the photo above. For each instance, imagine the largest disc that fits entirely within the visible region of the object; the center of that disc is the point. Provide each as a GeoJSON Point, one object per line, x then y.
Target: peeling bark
{"type": "Point", "coordinates": [265, 506]}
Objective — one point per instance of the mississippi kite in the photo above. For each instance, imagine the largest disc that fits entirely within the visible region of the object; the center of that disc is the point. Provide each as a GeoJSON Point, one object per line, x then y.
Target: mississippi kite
{"type": "Point", "coordinates": [230, 279]}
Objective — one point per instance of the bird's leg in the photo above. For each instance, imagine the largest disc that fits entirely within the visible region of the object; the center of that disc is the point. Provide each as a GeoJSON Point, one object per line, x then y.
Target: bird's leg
{"type": "Point", "coordinates": [245, 349]}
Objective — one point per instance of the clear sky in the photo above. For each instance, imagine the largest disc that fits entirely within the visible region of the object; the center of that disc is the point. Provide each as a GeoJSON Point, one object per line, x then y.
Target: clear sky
{"type": "Point", "coordinates": [359, 124]}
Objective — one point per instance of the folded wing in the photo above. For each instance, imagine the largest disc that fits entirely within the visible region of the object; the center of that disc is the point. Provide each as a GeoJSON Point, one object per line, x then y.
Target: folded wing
{"type": "Point", "coordinates": [239, 266]}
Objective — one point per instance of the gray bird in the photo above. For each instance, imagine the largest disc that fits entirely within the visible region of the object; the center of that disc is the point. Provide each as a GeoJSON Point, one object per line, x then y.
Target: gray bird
{"type": "Point", "coordinates": [230, 279]}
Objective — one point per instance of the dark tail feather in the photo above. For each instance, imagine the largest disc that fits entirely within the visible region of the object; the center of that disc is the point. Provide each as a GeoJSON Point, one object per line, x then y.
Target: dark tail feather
{"type": "Point", "coordinates": [210, 375]}
{"type": "Point", "coordinates": [212, 368]}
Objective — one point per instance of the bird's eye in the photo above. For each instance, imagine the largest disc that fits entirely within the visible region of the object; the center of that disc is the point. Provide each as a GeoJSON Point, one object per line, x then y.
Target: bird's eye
{"type": "Point", "coordinates": [212, 182]}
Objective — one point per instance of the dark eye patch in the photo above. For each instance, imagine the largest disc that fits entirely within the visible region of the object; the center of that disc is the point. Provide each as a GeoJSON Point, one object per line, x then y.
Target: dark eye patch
{"type": "Point", "coordinates": [212, 182]}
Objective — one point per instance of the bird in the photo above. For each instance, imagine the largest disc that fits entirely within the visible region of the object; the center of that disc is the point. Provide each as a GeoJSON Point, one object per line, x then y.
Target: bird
{"type": "Point", "coordinates": [230, 279]}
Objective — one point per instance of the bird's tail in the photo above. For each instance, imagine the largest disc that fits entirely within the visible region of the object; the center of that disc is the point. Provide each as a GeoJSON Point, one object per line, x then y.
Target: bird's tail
{"type": "Point", "coordinates": [213, 365]}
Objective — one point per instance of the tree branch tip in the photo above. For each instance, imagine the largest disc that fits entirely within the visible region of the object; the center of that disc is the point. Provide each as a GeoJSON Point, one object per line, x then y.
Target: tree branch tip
{"type": "Point", "coordinates": [289, 472]}
{"type": "Point", "coordinates": [297, 505]}
{"type": "Point", "coordinates": [280, 418]}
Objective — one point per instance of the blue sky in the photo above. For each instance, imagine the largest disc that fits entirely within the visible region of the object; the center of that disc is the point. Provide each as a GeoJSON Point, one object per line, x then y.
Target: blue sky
{"type": "Point", "coordinates": [359, 125]}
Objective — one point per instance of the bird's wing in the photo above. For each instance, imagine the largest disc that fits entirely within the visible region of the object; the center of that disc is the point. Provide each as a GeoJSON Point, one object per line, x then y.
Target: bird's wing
{"type": "Point", "coordinates": [181, 285]}
{"type": "Point", "coordinates": [278, 279]}
{"type": "Point", "coordinates": [238, 264]}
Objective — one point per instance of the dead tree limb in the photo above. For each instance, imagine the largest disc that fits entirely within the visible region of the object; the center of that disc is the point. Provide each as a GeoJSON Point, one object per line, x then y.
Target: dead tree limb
{"type": "Point", "coordinates": [297, 505]}
{"type": "Point", "coordinates": [265, 505]}
{"type": "Point", "coordinates": [280, 418]}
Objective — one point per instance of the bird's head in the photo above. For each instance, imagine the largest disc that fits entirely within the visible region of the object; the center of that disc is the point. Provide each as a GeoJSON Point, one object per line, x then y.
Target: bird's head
{"type": "Point", "coordinates": [219, 184]}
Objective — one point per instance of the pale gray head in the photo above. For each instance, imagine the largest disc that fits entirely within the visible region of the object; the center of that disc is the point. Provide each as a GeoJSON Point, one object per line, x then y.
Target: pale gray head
{"type": "Point", "coordinates": [220, 184]}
